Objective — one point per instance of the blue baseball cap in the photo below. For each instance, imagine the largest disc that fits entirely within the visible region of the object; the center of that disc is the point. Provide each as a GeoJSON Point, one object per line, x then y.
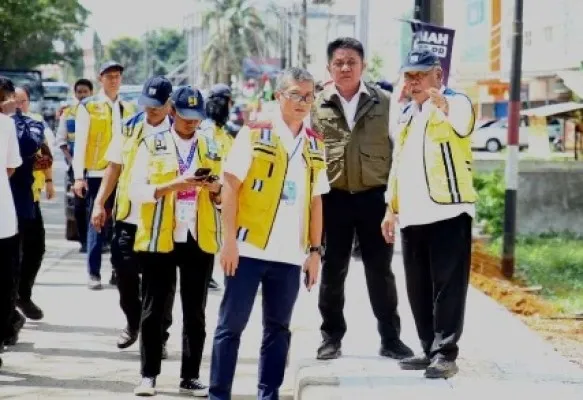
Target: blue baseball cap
{"type": "Point", "coordinates": [156, 92]}
{"type": "Point", "coordinates": [220, 89]}
{"type": "Point", "coordinates": [189, 103]}
{"type": "Point", "coordinates": [110, 65]}
{"type": "Point", "coordinates": [420, 61]}
{"type": "Point", "coordinates": [385, 85]}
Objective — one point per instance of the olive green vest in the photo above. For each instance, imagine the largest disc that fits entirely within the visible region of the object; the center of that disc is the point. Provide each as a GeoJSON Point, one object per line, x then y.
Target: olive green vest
{"type": "Point", "coordinates": [361, 159]}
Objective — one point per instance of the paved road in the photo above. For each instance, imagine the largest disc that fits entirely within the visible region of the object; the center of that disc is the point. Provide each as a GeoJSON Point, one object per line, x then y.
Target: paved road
{"type": "Point", "coordinates": [72, 353]}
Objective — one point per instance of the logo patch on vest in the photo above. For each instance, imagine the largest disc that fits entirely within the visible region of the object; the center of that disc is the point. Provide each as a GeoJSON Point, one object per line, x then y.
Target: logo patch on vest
{"type": "Point", "coordinates": [313, 146]}
{"type": "Point", "coordinates": [160, 144]}
{"type": "Point", "coordinates": [212, 150]}
{"type": "Point", "coordinates": [266, 138]}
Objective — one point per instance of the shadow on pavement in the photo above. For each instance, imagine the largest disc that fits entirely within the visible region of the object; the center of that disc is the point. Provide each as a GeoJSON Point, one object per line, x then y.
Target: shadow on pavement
{"type": "Point", "coordinates": [95, 330]}
{"type": "Point", "coordinates": [27, 380]}
{"type": "Point", "coordinates": [76, 353]}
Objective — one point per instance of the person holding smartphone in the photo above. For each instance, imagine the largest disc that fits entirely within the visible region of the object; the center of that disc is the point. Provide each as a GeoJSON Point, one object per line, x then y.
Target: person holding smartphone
{"type": "Point", "coordinates": [274, 177]}
{"type": "Point", "coordinates": [174, 181]}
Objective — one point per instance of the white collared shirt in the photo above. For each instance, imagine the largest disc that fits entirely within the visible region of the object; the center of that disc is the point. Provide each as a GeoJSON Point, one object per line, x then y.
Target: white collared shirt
{"type": "Point", "coordinates": [82, 124]}
{"type": "Point", "coordinates": [349, 107]}
{"type": "Point", "coordinates": [115, 155]}
{"type": "Point", "coordinates": [415, 205]}
{"type": "Point", "coordinates": [9, 158]}
{"type": "Point", "coordinates": [141, 191]}
{"type": "Point", "coordinates": [285, 242]}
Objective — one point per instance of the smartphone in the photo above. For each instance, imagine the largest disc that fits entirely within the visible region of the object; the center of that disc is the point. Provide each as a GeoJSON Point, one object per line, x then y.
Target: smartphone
{"type": "Point", "coordinates": [306, 279]}
{"type": "Point", "coordinates": [202, 172]}
{"type": "Point", "coordinates": [212, 178]}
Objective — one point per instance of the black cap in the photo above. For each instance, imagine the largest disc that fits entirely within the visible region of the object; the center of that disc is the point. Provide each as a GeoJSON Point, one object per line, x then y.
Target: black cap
{"type": "Point", "coordinates": [156, 92]}
{"type": "Point", "coordinates": [110, 65]}
{"type": "Point", "coordinates": [385, 85]}
{"type": "Point", "coordinates": [189, 103]}
{"type": "Point", "coordinates": [421, 61]}
{"type": "Point", "coordinates": [220, 89]}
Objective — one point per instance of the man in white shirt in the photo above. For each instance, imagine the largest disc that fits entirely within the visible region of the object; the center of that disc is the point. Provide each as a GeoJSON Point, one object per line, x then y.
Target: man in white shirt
{"type": "Point", "coordinates": [353, 118]}
{"type": "Point", "coordinates": [120, 154]}
{"type": "Point", "coordinates": [65, 140]}
{"type": "Point", "coordinates": [274, 177]}
{"type": "Point", "coordinates": [173, 179]}
{"type": "Point", "coordinates": [9, 161]}
{"type": "Point", "coordinates": [431, 190]}
{"type": "Point", "coordinates": [98, 120]}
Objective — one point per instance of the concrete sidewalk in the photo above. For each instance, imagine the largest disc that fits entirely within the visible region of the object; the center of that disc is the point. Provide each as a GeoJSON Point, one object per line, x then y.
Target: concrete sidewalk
{"type": "Point", "coordinates": [72, 352]}
{"type": "Point", "coordinates": [500, 356]}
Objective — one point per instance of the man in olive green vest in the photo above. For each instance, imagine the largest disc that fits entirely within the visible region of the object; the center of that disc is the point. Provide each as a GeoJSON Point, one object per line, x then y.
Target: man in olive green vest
{"type": "Point", "coordinates": [353, 117]}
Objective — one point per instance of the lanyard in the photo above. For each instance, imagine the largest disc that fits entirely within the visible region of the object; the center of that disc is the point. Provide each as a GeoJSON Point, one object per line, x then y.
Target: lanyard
{"type": "Point", "coordinates": [184, 166]}
{"type": "Point", "coordinates": [296, 149]}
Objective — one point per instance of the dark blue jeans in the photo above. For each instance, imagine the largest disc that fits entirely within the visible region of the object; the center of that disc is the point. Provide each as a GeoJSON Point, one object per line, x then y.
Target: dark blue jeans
{"type": "Point", "coordinates": [280, 285]}
{"type": "Point", "coordinates": [95, 239]}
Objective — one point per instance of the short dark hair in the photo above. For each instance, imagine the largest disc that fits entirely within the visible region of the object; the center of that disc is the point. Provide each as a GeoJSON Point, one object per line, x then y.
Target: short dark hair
{"type": "Point", "coordinates": [345, 43]}
{"type": "Point", "coordinates": [83, 82]}
{"type": "Point", "coordinates": [26, 89]}
{"type": "Point", "coordinates": [6, 88]}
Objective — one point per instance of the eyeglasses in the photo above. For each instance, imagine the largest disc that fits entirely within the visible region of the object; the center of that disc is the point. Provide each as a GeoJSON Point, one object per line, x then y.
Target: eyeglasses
{"type": "Point", "coordinates": [415, 76]}
{"type": "Point", "coordinates": [297, 98]}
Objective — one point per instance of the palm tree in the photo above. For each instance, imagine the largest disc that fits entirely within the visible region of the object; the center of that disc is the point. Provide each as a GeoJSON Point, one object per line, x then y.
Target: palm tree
{"type": "Point", "coordinates": [237, 31]}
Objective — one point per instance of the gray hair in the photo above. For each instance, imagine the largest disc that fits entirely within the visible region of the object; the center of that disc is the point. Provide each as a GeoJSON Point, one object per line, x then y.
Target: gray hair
{"type": "Point", "coordinates": [293, 74]}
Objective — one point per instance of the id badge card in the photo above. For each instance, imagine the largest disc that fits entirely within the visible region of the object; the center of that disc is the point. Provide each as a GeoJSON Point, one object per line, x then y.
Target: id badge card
{"type": "Point", "coordinates": [184, 210]}
{"type": "Point", "coordinates": [289, 193]}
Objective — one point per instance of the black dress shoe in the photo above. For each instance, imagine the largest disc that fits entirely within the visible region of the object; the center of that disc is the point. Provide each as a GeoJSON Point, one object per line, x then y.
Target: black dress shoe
{"type": "Point", "coordinates": [113, 279]}
{"type": "Point", "coordinates": [126, 338]}
{"type": "Point", "coordinates": [30, 310]}
{"type": "Point", "coordinates": [441, 368]}
{"type": "Point", "coordinates": [329, 351]}
{"type": "Point", "coordinates": [395, 349]}
{"type": "Point", "coordinates": [16, 327]}
{"type": "Point", "coordinates": [415, 363]}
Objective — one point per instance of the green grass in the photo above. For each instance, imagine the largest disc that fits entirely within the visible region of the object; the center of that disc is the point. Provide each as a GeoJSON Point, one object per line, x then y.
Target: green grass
{"type": "Point", "coordinates": [553, 262]}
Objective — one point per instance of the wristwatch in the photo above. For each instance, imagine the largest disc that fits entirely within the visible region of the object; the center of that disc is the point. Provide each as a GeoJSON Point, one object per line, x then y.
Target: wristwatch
{"type": "Point", "coordinates": [317, 249]}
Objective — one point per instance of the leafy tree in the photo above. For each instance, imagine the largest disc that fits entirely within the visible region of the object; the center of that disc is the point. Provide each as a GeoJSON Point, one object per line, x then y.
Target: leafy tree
{"type": "Point", "coordinates": [129, 52]}
{"type": "Point", "coordinates": [29, 29]}
{"type": "Point", "coordinates": [237, 31]}
{"type": "Point", "coordinates": [375, 68]}
{"type": "Point", "coordinates": [167, 50]}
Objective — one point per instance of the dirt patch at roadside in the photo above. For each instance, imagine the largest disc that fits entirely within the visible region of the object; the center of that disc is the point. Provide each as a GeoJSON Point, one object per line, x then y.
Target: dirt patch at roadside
{"type": "Point", "coordinates": [565, 335]}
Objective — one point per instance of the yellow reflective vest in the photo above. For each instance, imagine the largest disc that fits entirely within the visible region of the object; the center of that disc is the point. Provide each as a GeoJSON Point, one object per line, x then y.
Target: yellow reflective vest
{"type": "Point", "coordinates": [157, 220]}
{"type": "Point", "coordinates": [68, 119]}
{"type": "Point", "coordinates": [447, 157]}
{"type": "Point", "coordinates": [132, 131]}
{"type": "Point", "coordinates": [100, 130]}
{"type": "Point", "coordinates": [260, 193]}
{"type": "Point", "coordinates": [39, 175]}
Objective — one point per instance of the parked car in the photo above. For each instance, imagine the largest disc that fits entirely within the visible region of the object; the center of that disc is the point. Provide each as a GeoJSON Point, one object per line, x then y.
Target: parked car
{"type": "Point", "coordinates": [492, 135]}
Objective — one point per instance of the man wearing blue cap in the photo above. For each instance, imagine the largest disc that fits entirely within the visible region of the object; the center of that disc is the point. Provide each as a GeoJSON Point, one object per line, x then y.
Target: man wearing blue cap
{"type": "Point", "coordinates": [175, 180]}
{"type": "Point", "coordinates": [98, 120]}
{"type": "Point", "coordinates": [120, 155]}
{"type": "Point", "coordinates": [431, 190]}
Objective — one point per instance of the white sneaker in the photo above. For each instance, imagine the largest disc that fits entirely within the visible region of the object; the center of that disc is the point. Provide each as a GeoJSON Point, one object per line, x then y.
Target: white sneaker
{"type": "Point", "coordinates": [94, 283]}
{"type": "Point", "coordinates": [147, 387]}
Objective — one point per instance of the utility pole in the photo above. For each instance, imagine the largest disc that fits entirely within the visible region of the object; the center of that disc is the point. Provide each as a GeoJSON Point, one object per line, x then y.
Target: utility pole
{"type": "Point", "coordinates": [512, 157]}
{"type": "Point", "coordinates": [364, 22]}
{"type": "Point", "coordinates": [303, 39]}
{"type": "Point", "coordinates": [430, 11]}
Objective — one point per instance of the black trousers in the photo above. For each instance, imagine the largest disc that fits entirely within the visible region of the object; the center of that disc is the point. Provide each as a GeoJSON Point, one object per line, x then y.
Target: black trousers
{"type": "Point", "coordinates": [344, 215]}
{"type": "Point", "coordinates": [32, 250]}
{"type": "Point", "coordinates": [9, 248]}
{"type": "Point", "coordinates": [125, 262]}
{"type": "Point", "coordinates": [437, 260]}
{"type": "Point", "coordinates": [158, 277]}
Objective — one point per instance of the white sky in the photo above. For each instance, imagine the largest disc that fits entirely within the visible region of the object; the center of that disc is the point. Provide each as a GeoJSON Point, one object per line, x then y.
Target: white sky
{"type": "Point", "coordinates": [113, 18]}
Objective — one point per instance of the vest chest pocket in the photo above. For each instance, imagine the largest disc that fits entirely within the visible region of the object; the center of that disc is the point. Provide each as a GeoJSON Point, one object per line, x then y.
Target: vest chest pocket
{"type": "Point", "coordinates": [162, 169]}
{"type": "Point", "coordinates": [439, 131]}
{"type": "Point", "coordinates": [375, 164]}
